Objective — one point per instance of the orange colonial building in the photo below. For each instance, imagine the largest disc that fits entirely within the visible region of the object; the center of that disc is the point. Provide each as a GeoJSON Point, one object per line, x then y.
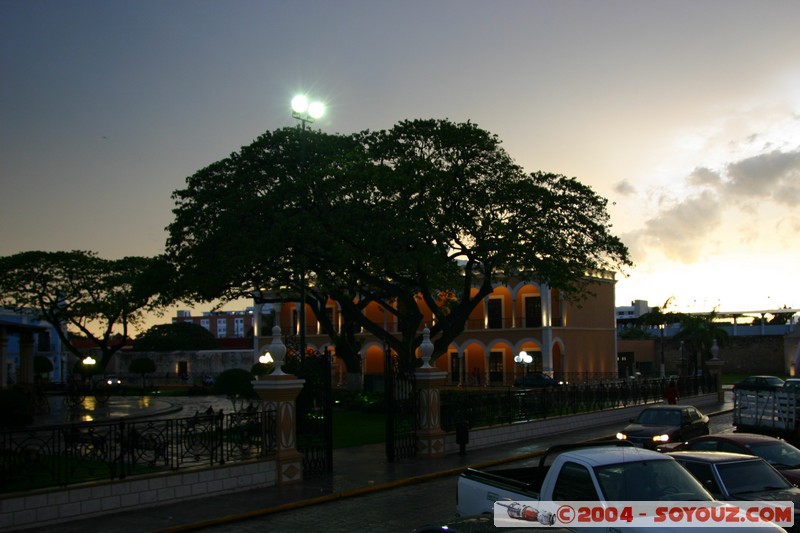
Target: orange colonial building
{"type": "Point", "coordinates": [574, 341]}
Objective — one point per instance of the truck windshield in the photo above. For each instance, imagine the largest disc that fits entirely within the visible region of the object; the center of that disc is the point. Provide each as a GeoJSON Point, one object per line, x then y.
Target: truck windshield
{"type": "Point", "coordinates": [656, 480]}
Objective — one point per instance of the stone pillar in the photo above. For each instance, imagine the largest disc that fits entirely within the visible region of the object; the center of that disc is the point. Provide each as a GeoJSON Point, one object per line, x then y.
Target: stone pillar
{"type": "Point", "coordinates": [3, 362]}
{"type": "Point", "coordinates": [714, 366]}
{"type": "Point", "coordinates": [279, 393]}
{"type": "Point", "coordinates": [26, 357]}
{"type": "Point", "coordinates": [430, 437]}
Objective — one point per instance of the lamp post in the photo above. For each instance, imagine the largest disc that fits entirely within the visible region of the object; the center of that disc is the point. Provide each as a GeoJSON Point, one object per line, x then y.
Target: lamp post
{"type": "Point", "coordinates": [523, 359]}
{"type": "Point", "coordinates": [88, 363]}
{"type": "Point", "coordinates": [306, 112]}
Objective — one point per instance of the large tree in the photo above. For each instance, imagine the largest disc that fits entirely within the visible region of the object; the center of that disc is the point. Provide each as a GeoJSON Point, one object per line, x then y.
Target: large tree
{"type": "Point", "coordinates": [83, 295]}
{"type": "Point", "coordinates": [429, 209]}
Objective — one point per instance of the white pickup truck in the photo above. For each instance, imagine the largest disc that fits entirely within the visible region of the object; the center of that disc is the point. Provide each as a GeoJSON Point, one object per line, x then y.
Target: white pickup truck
{"type": "Point", "coordinates": [769, 412]}
{"type": "Point", "coordinates": [590, 472]}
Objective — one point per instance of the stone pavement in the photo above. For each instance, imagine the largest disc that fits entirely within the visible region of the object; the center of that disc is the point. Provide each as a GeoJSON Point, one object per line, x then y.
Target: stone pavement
{"type": "Point", "coordinates": [360, 475]}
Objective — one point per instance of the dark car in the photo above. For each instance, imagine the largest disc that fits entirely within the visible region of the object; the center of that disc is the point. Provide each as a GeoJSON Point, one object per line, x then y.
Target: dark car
{"type": "Point", "coordinates": [760, 383]}
{"type": "Point", "coordinates": [662, 424]}
{"type": "Point", "coordinates": [535, 381]}
{"type": "Point", "coordinates": [739, 477]}
{"type": "Point", "coordinates": [778, 453]}
{"type": "Point", "coordinates": [792, 384]}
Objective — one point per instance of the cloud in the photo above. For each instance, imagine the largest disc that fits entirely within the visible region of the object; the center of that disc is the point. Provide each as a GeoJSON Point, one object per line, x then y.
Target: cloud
{"type": "Point", "coordinates": [772, 174]}
{"type": "Point", "coordinates": [702, 177]}
{"type": "Point", "coordinates": [624, 188]}
{"type": "Point", "coordinates": [680, 231]}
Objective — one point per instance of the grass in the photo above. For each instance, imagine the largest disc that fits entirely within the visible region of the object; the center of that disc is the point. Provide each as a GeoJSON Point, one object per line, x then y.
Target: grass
{"type": "Point", "coordinates": [356, 428]}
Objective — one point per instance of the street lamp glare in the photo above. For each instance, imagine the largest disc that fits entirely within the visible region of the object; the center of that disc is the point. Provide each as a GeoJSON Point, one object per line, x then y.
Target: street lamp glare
{"type": "Point", "coordinates": [300, 104]}
{"type": "Point", "coordinates": [316, 109]}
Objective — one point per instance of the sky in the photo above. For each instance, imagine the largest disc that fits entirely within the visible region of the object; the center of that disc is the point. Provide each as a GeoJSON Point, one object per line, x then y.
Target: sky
{"type": "Point", "coordinates": [684, 115]}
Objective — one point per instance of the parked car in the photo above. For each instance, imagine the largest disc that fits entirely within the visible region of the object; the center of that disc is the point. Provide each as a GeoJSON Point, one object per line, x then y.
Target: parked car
{"type": "Point", "coordinates": [739, 477]}
{"type": "Point", "coordinates": [661, 424]}
{"type": "Point", "coordinates": [759, 383]}
{"type": "Point", "coordinates": [792, 383]}
{"type": "Point", "coordinates": [536, 380]}
{"type": "Point", "coordinates": [778, 453]}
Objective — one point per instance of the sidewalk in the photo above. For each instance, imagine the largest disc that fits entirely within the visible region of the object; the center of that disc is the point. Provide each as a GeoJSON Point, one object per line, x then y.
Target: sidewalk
{"type": "Point", "coordinates": [357, 471]}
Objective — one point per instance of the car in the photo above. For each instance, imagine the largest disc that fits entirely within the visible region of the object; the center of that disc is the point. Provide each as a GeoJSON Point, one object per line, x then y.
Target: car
{"type": "Point", "coordinates": [738, 477]}
{"type": "Point", "coordinates": [112, 379]}
{"type": "Point", "coordinates": [792, 383]}
{"type": "Point", "coordinates": [536, 380]}
{"type": "Point", "coordinates": [778, 453]}
{"type": "Point", "coordinates": [760, 383]}
{"type": "Point", "coordinates": [660, 424]}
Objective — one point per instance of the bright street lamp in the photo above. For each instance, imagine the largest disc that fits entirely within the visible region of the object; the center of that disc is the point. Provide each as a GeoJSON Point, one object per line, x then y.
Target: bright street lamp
{"type": "Point", "coordinates": [306, 112]}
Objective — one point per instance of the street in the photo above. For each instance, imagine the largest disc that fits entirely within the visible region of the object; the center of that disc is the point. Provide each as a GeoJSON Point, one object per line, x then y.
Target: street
{"type": "Point", "coordinates": [399, 510]}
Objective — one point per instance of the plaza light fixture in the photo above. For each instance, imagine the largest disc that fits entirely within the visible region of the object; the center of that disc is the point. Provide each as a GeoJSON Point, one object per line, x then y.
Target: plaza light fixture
{"type": "Point", "coordinates": [523, 359]}
{"type": "Point", "coordinates": [306, 112]}
{"type": "Point", "coordinates": [265, 359]}
{"type": "Point", "coordinates": [89, 360]}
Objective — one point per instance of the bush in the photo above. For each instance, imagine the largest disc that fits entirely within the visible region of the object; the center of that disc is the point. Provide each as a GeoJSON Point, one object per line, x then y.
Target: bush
{"type": "Point", "coordinates": [237, 385]}
{"type": "Point", "coordinates": [16, 408]}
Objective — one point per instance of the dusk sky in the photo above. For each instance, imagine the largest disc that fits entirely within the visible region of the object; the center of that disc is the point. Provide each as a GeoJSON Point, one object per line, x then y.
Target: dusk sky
{"type": "Point", "coordinates": [685, 115]}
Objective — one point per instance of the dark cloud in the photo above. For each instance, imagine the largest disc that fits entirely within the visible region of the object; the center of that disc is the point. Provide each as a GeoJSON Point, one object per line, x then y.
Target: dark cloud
{"type": "Point", "coordinates": [765, 175]}
{"type": "Point", "coordinates": [702, 176]}
{"type": "Point", "coordinates": [680, 231]}
{"type": "Point", "coordinates": [624, 188]}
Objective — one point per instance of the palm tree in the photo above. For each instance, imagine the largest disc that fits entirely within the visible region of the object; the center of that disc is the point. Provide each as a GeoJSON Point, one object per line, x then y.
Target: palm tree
{"type": "Point", "coordinates": [698, 334]}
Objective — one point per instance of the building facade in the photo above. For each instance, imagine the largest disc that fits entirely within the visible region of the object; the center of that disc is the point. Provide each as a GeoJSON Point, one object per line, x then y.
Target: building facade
{"type": "Point", "coordinates": [23, 337]}
{"type": "Point", "coordinates": [570, 340]}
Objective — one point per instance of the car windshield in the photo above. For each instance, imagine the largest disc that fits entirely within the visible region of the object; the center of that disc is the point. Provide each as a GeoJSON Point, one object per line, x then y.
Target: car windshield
{"type": "Point", "coordinates": [649, 481]}
{"type": "Point", "coordinates": [743, 477]}
{"type": "Point", "coordinates": [659, 417]}
{"type": "Point", "coordinates": [779, 454]}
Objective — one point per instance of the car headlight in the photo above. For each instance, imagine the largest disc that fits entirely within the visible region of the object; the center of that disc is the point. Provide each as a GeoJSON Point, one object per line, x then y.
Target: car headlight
{"type": "Point", "coordinates": [661, 438]}
{"type": "Point", "coordinates": [622, 436]}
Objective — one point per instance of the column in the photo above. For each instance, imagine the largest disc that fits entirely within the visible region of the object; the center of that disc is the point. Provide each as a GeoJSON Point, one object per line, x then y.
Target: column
{"type": "Point", "coordinates": [279, 393]}
{"type": "Point", "coordinates": [430, 437]}
{"type": "Point", "coordinates": [26, 357]}
{"type": "Point", "coordinates": [3, 362]}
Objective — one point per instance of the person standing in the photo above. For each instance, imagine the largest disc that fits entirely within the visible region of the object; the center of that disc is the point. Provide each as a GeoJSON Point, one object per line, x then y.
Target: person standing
{"type": "Point", "coordinates": [671, 392]}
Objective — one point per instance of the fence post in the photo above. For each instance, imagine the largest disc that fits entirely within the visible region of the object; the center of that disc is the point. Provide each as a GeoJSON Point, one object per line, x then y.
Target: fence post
{"type": "Point", "coordinates": [430, 437]}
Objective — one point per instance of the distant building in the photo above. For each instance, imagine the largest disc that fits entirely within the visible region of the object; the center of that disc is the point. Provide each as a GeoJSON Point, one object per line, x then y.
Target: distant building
{"type": "Point", "coordinates": [221, 324]}
{"type": "Point", "coordinates": [633, 311]}
{"type": "Point", "coordinates": [21, 331]}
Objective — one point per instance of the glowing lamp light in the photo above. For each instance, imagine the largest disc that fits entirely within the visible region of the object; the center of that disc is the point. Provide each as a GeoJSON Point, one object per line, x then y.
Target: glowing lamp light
{"type": "Point", "coordinates": [266, 358]}
{"type": "Point", "coordinates": [523, 358]}
{"type": "Point", "coordinates": [306, 110]}
{"type": "Point", "coordinates": [89, 360]}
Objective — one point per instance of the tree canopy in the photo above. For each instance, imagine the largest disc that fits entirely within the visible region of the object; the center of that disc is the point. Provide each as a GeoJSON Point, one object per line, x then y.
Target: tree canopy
{"type": "Point", "coordinates": [174, 337]}
{"type": "Point", "coordinates": [429, 209]}
{"type": "Point", "coordinates": [83, 295]}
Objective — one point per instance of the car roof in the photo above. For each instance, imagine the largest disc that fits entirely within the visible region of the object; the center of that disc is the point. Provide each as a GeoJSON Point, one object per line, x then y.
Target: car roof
{"type": "Point", "coordinates": [742, 438]}
{"type": "Point", "coordinates": [609, 455]}
{"type": "Point", "coordinates": [667, 407]}
{"type": "Point", "coordinates": [714, 457]}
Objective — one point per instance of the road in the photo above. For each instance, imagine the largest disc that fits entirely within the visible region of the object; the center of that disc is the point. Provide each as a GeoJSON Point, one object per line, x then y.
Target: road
{"type": "Point", "coordinates": [398, 510]}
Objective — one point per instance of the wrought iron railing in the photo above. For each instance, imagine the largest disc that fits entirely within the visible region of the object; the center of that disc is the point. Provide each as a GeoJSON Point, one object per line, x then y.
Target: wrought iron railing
{"type": "Point", "coordinates": [494, 406]}
{"type": "Point", "coordinates": [52, 456]}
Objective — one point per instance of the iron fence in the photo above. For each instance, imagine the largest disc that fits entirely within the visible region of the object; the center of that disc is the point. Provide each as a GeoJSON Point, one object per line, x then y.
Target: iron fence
{"type": "Point", "coordinates": [492, 406]}
{"type": "Point", "coordinates": [63, 455]}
